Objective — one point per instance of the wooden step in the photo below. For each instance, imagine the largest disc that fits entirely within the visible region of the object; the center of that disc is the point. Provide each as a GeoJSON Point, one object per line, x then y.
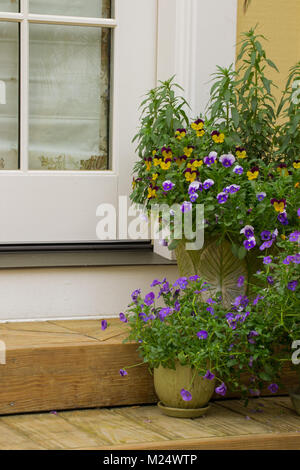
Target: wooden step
{"type": "Point", "coordinates": [60, 365]}
{"type": "Point", "coordinates": [267, 423]}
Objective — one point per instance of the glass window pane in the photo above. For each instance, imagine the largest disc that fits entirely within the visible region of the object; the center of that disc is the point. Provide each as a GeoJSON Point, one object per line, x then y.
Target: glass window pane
{"type": "Point", "coordinates": [9, 95]}
{"type": "Point", "coordinates": [89, 8]}
{"type": "Point", "coordinates": [9, 5]}
{"type": "Point", "coordinates": [69, 97]}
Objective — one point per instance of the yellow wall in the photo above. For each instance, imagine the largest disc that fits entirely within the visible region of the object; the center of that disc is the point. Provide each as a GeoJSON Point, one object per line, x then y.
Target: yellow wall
{"type": "Point", "coordinates": [279, 22]}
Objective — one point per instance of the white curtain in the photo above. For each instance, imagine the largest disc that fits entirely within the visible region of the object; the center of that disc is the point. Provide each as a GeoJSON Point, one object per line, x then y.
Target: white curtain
{"type": "Point", "coordinates": [69, 87]}
{"type": "Point", "coordinates": [9, 38]}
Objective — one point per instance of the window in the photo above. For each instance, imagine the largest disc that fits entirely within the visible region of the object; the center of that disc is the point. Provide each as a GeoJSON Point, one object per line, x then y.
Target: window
{"type": "Point", "coordinates": [70, 87]}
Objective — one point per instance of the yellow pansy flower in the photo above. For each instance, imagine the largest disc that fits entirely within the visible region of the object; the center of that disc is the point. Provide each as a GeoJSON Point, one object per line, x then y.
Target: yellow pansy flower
{"type": "Point", "coordinates": [197, 125]}
{"type": "Point", "coordinates": [218, 137]}
{"type": "Point", "coordinates": [180, 134]}
{"type": "Point", "coordinates": [157, 161]}
{"type": "Point", "coordinates": [200, 133]}
{"type": "Point", "coordinates": [241, 152]}
{"type": "Point", "coordinates": [166, 152]}
{"type": "Point", "coordinates": [296, 164]}
{"type": "Point", "coordinates": [154, 176]}
{"type": "Point", "coordinates": [148, 164]}
{"type": "Point", "coordinates": [283, 237]}
{"type": "Point", "coordinates": [151, 193]}
{"type": "Point", "coordinates": [166, 164]}
{"type": "Point", "coordinates": [252, 175]}
{"type": "Point", "coordinates": [188, 151]}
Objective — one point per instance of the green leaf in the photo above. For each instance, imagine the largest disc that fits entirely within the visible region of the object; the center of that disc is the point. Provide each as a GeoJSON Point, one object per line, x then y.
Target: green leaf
{"type": "Point", "coordinates": [235, 117]}
{"type": "Point", "coordinates": [242, 252]}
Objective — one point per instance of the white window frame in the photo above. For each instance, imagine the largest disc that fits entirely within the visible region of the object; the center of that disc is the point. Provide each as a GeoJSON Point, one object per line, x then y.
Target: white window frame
{"type": "Point", "coordinates": [25, 218]}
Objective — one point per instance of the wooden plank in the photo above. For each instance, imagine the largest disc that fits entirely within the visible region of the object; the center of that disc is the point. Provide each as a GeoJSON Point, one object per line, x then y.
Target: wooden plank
{"type": "Point", "coordinates": [72, 376]}
{"type": "Point", "coordinates": [71, 364]}
{"type": "Point", "coordinates": [217, 422]}
{"type": "Point", "coordinates": [41, 326]}
{"type": "Point", "coordinates": [112, 427]}
{"type": "Point", "coordinates": [92, 328]}
{"type": "Point", "coordinates": [50, 431]}
{"type": "Point", "coordinates": [11, 439]}
{"type": "Point", "coordinates": [287, 441]}
{"type": "Point", "coordinates": [267, 411]}
{"type": "Point", "coordinates": [29, 340]}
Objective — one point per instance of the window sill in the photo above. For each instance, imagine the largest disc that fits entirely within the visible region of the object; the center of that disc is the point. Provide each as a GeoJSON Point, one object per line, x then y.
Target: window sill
{"type": "Point", "coordinates": [81, 257]}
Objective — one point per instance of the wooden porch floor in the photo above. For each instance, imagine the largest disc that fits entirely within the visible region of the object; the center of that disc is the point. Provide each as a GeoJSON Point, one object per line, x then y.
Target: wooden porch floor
{"type": "Point", "coordinates": [267, 423]}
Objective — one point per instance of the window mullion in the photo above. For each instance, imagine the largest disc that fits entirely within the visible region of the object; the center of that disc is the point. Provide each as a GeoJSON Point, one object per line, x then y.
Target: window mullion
{"type": "Point", "coordinates": [24, 86]}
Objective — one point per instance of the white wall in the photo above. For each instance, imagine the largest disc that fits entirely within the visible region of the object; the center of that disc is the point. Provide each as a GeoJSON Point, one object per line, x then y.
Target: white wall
{"type": "Point", "coordinates": [193, 37]}
{"type": "Point", "coordinates": [43, 294]}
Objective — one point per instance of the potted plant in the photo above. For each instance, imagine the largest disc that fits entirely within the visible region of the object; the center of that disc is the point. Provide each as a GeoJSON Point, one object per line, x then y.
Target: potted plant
{"type": "Point", "coordinates": [197, 346]}
{"type": "Point", "coordinates": [280, 294]}
{"type": "Point", "coordinates": [230, 162]}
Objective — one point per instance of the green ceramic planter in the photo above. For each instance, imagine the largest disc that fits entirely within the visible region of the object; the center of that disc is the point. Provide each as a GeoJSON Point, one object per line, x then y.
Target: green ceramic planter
{"type": "Point", "coordinates": [168, 383]}
{"type": "Point", "coordinates": [295, 395]}
{"type": "Point", "coordinates": [217, 265]}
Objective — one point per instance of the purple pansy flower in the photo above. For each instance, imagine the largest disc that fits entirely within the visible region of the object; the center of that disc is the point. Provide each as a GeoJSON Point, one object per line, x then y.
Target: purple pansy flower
{"type": "Point", "coordinates": [270, 280]}
{"type": "Point", "coordinates": [248, 231]}
{"type": "Point", "coordinates": [194, 186]}
{"type": "Point", "coordinates": [194, 197]}
{"type": "Point", "coordinates": [209, 375]}
{"type": "Point", "coordinates": [186, 206]}
{"type": "Point", "coordinates": [123, 372]}
{"type": "Point", "coordinates": [292, 285]}
{"type": "Point", "coordinates": [123, 317]}
{"type": "Point", "coordinates": [251, 336]}
{"type": "Point", "coordinates": [168, 185]}
{"type": "Point", "coordinates": [186, 395]}
{"type": "Point", "coordinates": [265, 235]}
{"type": "Point", "coordinates": [155, 282]}
{"type": "Point", "coordinates": [135, 294]}
{"type": "Point", "coordinates": [295, 236]}
{"type": "Point", "coordinates": [103, 325]}
{"type": "Point", "coordinates": [257, 298]}
{"type": "Point", "coordinates": [267, 260]}
{"type": "Point", "coordinates": [149, 298]}
{"type": "Point", "coordinates": [210, 159]}
{"type": "Point", "coordinates": [261, 196]}
{"type": "Point", "coordinates": [208, 183]}
{"type": "Point", "coordinates": [227, 160]}
{"type": "Point", "coordinates": [282, 217]}
{"type": "Point", "coordinates": [177, 306]}
{"type": "Point", "coordinates": [249, 243]}
{"type": "Point", "coordinates": [222, 198]}
{"type": "Point", "coordinates": [273, 388]}
{"type": "Point", "coordinates": [210, 310]}
{"type": "Point", "coordinates": [181, 282]}
{"type": "Point", "coordinates": [164, 312]}
{"type": "Point", "coordinates": [266, 244]}
{"type": "Point", "coordinates": [240, 281]}
{"type": "Point", "coordinates": [221, 390]}
{"type": "Point", "coordinates": [238, 170]}
{"type": "Point", "coordinates": [193, 278]}
{"type": "Point", "coordinates": [202, 334]}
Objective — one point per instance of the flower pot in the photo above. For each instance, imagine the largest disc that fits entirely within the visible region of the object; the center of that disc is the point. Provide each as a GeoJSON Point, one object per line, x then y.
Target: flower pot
{"type": "Point", "coordinates": [168, 384]}
{"type": "Point", "coordinates": [217, 265]}
{"type": "Point", "coordinates": [295, 395]}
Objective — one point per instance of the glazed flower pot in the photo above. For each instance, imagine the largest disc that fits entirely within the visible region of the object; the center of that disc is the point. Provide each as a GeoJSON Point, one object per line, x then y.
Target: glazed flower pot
{"type": "Point", "coordinates": [168, 385]}
{"type": "Point", "coordinates": [295, 395]}
{"type": "Point", "coordinates": [216, 264]}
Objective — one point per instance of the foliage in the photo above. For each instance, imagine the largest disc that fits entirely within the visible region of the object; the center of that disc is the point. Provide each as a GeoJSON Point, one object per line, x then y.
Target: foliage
{"type": "Point", "coordinates": [178, 325]}
{"type": "Point", "coordinates": [288, 140]}
{"type": "Point", "coordinates": [247, 99]}
{"type": "Point", "coordinates": [162, 111]}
